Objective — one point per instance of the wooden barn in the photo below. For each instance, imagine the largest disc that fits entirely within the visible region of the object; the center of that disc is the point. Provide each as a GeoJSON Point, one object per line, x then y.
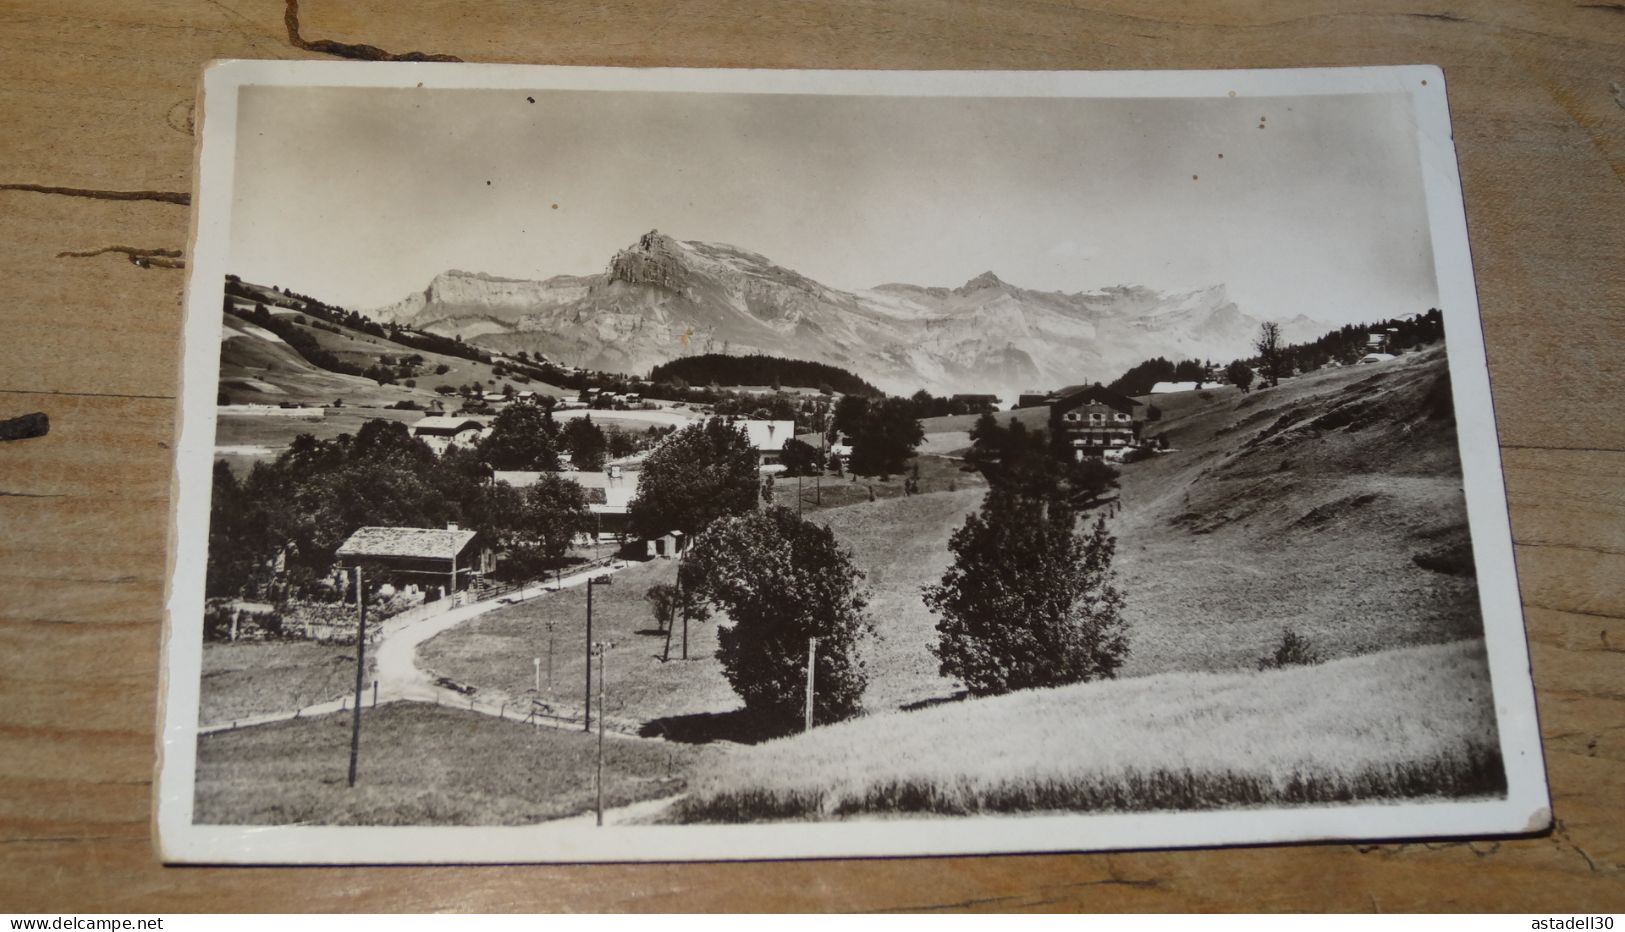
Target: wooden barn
{"type": "Point", "coordinates": [446, 559]}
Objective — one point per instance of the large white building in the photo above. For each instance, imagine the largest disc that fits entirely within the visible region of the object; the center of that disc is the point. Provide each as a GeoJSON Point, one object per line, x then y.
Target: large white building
{"type": "Point", "coordinates": [609, 494]}
{"type": "Point", "coordinates": [768, 439]}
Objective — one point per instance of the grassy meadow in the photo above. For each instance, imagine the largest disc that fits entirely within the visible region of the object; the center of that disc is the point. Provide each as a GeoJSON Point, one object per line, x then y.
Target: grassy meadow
{"type": "Point", "coordinates": [494, 653]}
{"type": "Point", "coordinates": [422, 765]}
{"type": "Point", "coordinates": [1416, 722]}
{"type": "Point", "coordinates": [242, 679]}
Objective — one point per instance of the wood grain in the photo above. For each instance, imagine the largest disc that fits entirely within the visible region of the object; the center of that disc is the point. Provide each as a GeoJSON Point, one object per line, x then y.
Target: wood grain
{"type": "Point", "coordinates": [96, 97]}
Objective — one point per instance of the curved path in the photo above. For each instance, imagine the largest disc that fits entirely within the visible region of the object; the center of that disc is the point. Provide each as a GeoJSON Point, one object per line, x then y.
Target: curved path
{"type": "Point", "coordinates": [396, 670]}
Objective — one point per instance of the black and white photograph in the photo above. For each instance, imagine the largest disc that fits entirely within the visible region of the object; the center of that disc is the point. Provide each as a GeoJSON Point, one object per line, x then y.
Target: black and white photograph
{"type": "Point", "coordinates": [603, 464]}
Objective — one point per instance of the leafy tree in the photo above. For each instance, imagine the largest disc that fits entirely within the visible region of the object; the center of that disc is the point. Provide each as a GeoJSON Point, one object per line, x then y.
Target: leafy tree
{"type": "Point", "coordinates": [1190, 370]}
{"type": "Point", "coordinates": [885, 438]}
{"type": "Point", "coordinates": [669, 602]}
{"type": "Point", "coordinates": [522, 437]}
{"type": "Point", "coordinates": [1028, 602]}
{"type": "Point", "coordinates": [1240, 375]}
{"type": "Point", "coordinates": [239, 539]}
{"type": "Point", "coordinates": [850, 412]}
{"type": "Point", "coordinates": [800, 458]}
{"type": "Point", "coordinates": [782, 580]}
{"type": "Point", "coordinates": [552, 513]}
{"type": "Point", "coordinates": [585, 443]}
{"type": "Point", "coordinates": [1270, 351]}
{"type": "Point", "coordinates": [701, 473]}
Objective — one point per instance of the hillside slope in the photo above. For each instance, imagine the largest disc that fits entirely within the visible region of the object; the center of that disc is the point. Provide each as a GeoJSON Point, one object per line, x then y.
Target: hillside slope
{"type": "Point", "coordinates": [1332, 505]}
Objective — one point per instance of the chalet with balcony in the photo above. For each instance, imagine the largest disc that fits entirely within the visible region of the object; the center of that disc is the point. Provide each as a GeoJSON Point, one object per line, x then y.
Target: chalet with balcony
{"type": "Point", "coordinates": [1090, 420]}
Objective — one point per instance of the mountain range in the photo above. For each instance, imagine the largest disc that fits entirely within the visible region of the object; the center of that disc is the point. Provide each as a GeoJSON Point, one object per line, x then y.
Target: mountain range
{"type": "Point", "coordinates": [662, 298]}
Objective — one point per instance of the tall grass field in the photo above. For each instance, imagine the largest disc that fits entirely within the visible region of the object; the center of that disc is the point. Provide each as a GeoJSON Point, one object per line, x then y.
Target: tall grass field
{"type": "Point", "coordinates": [1409, 723]}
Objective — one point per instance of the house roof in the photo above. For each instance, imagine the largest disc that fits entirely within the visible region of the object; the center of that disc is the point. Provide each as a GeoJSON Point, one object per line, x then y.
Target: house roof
{"type": "Point", "coordinates": [1162, 388]}
{"type": "Point", "coordinates": [442, 543]}
{"type": "Point", "coordinates": [440, 424]}
{"type": "Point", "coordinates": [1068, 398]}
{"type": "Point", "coordinates": [767, 435]}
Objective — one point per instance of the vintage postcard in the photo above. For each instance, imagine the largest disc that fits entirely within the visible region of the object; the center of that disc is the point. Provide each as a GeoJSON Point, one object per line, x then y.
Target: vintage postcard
{"type": "Point", "coordinates": [612, 464]}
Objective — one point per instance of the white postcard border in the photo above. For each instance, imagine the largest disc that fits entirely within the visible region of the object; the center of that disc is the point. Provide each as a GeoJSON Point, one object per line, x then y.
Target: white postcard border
{"type": "Point", "coordinates": [1525, 808]}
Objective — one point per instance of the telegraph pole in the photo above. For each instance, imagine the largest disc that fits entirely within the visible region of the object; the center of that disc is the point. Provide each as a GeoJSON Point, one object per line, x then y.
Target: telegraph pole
{"type": "Point", "coordinates": [586, 717]}
{"type": "Point", "coordinates": [599, 649]}
{"type": "Point", "coordinates": [360, 669]}
{"type": "Point", "coordinates": [587, 705]}
{"type": "Point", "coordinates": [812, 654]}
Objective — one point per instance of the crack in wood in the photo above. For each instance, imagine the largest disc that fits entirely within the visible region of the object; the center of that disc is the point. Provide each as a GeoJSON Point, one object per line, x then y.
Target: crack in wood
{"type": "Point", "coordinates": [360, 52]}
{"type": "Point", "coordinates": [142, 258]}
{"type": "Point", "coordinates": [162, 197]}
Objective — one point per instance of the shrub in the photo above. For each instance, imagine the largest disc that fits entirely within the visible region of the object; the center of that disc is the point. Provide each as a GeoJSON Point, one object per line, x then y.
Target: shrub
{"type": "Point", "coordinates": [1293, 651]}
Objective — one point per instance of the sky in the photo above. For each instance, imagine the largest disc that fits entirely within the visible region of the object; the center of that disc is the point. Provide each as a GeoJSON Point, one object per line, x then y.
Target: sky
{"type": "Point", "coordinates": [359, 196]}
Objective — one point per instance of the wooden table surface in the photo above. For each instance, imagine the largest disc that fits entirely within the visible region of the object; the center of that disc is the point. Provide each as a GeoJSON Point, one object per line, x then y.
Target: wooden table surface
{"type": "Point", "coordinates": [95, 166]}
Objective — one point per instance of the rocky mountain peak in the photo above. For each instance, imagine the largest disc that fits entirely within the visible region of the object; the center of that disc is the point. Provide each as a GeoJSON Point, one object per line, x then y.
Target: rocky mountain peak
{"type": "Point", "coordinates": [981, 282]}
{"type": "Point", "coordinates": [655, 259]}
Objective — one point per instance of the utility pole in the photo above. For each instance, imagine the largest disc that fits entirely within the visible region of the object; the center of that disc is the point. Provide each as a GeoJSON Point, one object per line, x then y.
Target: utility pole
{"type": "Point", "coordinates": [549, 660]}
{"type": "Point", "coordinates": [812, 655]}
{"type": "Point", "coordinates": [671, 622]}
{"type": "Point", "coordinates": [587, 705]}
{"type": "Point", "coordinates": [599, 649]}
{"type": "Point", "coordinates": [537, 662]}
{"type": "Point", "coordinates": [586, 716]}
{"type": "Point", "coordinates": [682, 608]}
{"type": "Point", "coordinates": [360, 669]}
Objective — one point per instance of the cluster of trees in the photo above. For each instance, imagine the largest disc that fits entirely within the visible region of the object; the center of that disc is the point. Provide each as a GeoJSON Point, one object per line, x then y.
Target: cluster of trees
{"type": "Point", "coordinates": [929, 405]}
{"type": "Point", "coordinates": [293, 300]}
{"type": "Point", "coordinates": [528, 437]}
{"type": "Point", "coordinates": [760, 369]}
{"type": "Point", "coordinates": [1275, 358]}
{"type": "Point", "coordinates": [1139, 379]}
{"type": "Point", "coordinates": [884, 433]}
{"type": "Point", "coordinates": [305, 503]}
{"type": "Point", "coordinates": [1347, 344]}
